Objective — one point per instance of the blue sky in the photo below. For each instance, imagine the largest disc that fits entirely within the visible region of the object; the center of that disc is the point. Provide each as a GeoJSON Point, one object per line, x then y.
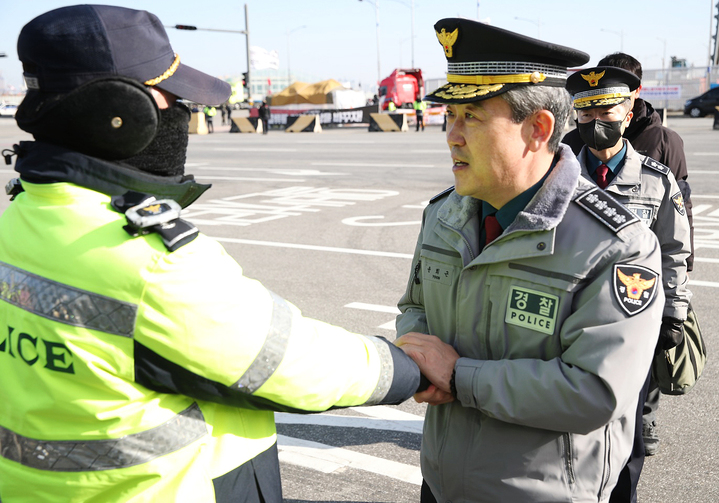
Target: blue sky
{"type": "Point", "coordinates": [337, 38]}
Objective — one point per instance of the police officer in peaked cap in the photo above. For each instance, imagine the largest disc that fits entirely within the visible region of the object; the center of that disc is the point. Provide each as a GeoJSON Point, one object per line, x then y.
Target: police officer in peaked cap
{"type": "Point", "coordinates": [536, 349]}
{"type": "Point", "coordinates": [601, 97]}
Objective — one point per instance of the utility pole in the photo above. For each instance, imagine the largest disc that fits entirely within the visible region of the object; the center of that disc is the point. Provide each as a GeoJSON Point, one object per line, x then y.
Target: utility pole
{"type": "Point", "coordinates": [245, 32]}
{"type": "Point", "coordinates": [249, 76]}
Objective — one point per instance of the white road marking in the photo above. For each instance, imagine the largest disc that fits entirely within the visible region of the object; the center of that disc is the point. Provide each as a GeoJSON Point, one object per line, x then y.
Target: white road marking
{"type": "Point", "coordinates": [695, 282]}
{"type": "Point", "coordinates": [700, 208]}
{"type": "Point", "coordinates": [372, 165]}
{"type": "Point", "coordinates": [406, 425]}
{"type": "Point", "coordinates": [248, 179]}
{"type": "Point", "coordinates": [384, 412]}
{"type": "Point", "coordinates": [373, 307]}
{"type": "Point", "coordinates": [700, 196]}
{"type": "Point", "coordinates": [705, 153]}
{"type": "Point", "coordinates": [329, 459]}
{"type": "Point", "coordinates": [356, 222]}
{"type": "Point", "coordinates": [289, 172]}
{"type": "Point", "coordinates": [314, 248]}
{"type": "Point", "coordinates": [253, 149]}
{"type": "Point", "coordinates": [700, 172]}
{"type": "Point", "coordinates": [710, 260]}
{"type": "Point", "coordinates": [390, 325]}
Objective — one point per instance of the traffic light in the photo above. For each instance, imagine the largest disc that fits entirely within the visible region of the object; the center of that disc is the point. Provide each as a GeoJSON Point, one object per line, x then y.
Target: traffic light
{"type": "Point", "coordinates": [245, 79]}
{"type": "Point", "coordinates": [185, 27]}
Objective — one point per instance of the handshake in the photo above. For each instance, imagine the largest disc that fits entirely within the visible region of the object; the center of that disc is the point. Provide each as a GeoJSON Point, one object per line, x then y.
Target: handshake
{"type": "Point", "coordinates": [436, 360]}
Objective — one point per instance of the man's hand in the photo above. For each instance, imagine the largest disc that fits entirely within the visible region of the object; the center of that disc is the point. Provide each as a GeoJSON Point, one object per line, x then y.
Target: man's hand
{"type": "Point", "coordinates": [671, 334]}
{"type": "Point", "coordinates": [433, 396]}
{"type": "Point", "coordinates": [435, 360]}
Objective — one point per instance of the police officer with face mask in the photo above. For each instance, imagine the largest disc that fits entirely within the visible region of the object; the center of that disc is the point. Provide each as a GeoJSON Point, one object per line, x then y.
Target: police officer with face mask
{"type": "Point", "coordinates": [647, 188]}
{"type": "Point", "coordinates": [138, 362]}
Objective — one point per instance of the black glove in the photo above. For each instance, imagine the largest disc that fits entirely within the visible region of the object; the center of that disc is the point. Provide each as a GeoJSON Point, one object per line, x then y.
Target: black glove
{"type": "Point", "coordinates": [671, 334]}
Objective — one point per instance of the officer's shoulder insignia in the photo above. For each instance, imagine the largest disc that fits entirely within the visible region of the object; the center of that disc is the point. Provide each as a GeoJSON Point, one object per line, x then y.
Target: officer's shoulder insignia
{"type": "Point", "coordinates": [441, 195]}
{"type": "Point", "coordinates": [606, 209]}
{"type": "Point", "coordinates": [678, 201]}
{"type": "Point", "coordinates": [655, 165]}
{"type": "Point", "coordinates": [146, 214]}
{"type": "Point", "coordinates": [635, 287]}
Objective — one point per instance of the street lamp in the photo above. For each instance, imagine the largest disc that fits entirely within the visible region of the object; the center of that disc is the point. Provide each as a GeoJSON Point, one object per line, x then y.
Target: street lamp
{"type": "Point", "coordinates": [537, 23]}
{"type": "Point", "coordinates": [621, 37]}
{"type": "Point", "coordinates": [245, 32]}
{"type": "Point", "coordinates": [289, 75]}
{"type": "Point", "coordinates": [376, 14]}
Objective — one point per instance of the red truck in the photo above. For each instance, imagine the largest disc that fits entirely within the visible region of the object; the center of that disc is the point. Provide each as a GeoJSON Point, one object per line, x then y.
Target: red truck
{"type": "Point", "coordinates": [402, 87]}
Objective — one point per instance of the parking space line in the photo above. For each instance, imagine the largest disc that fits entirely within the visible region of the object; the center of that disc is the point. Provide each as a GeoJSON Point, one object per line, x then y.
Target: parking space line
{"type": "Point", "coordinates": [314, 454]}
{"type": "Point", "coordinates": [313, 247]}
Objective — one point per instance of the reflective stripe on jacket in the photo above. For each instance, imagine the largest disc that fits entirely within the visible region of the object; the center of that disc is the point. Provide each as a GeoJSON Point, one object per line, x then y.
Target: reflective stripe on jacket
{"type": "Point", "coordinates": [550, 363]}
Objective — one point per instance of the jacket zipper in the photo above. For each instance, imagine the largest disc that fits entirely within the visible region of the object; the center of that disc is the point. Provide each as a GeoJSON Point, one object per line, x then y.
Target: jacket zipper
{"type": "Point", "coordinates": [568, 457]}
{"type": "Point", "coordinates": [415, 281]}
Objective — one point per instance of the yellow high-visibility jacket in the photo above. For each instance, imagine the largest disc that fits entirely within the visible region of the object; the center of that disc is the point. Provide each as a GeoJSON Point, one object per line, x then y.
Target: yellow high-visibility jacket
{"type": "Point", "coordinates": [132, 373]}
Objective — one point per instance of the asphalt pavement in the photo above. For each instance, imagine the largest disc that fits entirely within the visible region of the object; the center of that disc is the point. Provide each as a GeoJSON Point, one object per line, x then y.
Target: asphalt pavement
{"type": "Point", "coordinates": [329, 221]}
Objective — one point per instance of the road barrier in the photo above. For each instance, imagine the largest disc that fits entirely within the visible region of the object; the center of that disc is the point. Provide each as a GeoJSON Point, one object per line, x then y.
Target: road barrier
{"type": "Point", "coordinates": [197, 123]}
{"type": "Point", "coordinates": [303, 124]}
{"type": "Point", "coordinates": [246, 125]}
{"type": "Point", "coordinates": [388, 122]}
{"type": "Point", "coordinates": [716, 118]}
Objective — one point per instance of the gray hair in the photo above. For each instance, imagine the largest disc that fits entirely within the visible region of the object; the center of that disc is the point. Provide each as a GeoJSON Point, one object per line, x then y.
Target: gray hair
{"type": "Point", "coordinates": [526, 100]}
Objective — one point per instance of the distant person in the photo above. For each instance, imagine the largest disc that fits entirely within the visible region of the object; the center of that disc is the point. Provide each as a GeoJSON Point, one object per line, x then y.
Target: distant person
{"type": "Point", "coordinates": [391, 107]}
{"type": "Point", "coordinates": [138, 362]}
{"type": "Point", "coordinates": [419, 108]}
{"type": "Point", "coordinates": [223, 111]}
{"type": "Point", "coordinates": [210, 113]}
{"type": "Point", "coordinates": [265, 114]}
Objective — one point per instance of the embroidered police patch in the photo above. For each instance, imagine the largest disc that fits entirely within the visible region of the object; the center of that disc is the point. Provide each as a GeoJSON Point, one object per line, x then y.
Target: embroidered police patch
{"type": "Point", "coordinates": [606, 209]}
{"type": "Point", "coordinates": [532, 309]}
{"type": "Point", "coordinates": [678, 201]}
{"type": "Point", "coordinates": [634, 287]}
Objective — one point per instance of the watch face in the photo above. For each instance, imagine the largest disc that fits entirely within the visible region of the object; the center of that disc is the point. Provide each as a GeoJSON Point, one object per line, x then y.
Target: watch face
{"type": "Point", "coordinates": [154, 209]}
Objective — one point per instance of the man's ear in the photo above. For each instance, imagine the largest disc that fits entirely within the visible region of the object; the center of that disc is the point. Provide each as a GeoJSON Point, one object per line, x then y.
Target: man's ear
{"type": "Point", "coordinates": [538, 129]}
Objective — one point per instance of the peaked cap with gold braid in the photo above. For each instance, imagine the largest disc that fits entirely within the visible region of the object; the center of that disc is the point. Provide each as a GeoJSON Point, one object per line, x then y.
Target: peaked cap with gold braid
{"type": "Point", "coordinates": [484, 61]}
{"type": "Point", "coordinates": [601, 86]}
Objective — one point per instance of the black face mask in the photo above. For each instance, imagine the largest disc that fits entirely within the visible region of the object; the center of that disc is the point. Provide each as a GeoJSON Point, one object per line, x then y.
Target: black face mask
{"type": "Point", "coordinates": [599, 134]}
{"type": "Point", "coordinates": [167, 153]}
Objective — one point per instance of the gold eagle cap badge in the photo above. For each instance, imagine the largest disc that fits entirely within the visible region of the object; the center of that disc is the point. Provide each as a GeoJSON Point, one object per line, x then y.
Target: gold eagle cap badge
{"type": "Point", "coordinates": [447, 40]}
{"type": "Point", "coordinates": [593, 78]}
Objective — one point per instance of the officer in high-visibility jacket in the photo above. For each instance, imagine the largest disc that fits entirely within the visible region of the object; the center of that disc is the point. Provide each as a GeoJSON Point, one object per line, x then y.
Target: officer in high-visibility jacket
{"type": "Point", "coordinates": [138, 362]}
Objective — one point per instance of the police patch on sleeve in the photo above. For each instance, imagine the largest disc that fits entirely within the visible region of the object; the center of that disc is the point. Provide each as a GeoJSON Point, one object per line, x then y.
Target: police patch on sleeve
{"type": "Point", "coordinates": [634, 287]}
{"type": "Point", "coordinates": [532, 309]}
{"type": "Point", "coordinates": [678, 201]}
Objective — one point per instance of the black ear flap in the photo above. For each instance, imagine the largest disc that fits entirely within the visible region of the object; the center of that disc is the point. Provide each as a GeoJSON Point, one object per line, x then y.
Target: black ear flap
{"type": "Point", "coordinates": [111, 118]}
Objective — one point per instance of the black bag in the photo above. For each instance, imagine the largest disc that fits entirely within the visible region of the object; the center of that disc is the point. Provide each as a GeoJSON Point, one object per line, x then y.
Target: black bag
{"type": "Point", "coordinates": [677, 370]}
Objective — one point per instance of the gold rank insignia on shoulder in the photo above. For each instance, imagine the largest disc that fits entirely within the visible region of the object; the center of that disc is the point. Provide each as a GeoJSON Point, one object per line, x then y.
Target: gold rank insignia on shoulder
{"type": "Point", "coordinates": [593, 78]}
{"type": "Point", "coordinates": [635, 287]}
{"type": "Point", "coordinates": [678, 201]}
{"type": "Point", "coordinates": [447, 40]}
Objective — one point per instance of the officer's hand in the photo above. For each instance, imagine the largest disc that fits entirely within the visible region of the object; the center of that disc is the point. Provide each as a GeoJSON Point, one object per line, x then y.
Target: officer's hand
{"type": "Point", "coordinates": [434, 358]}
{"type": "Point", "coordinates": [671, 334]}
{"type": "Point", "coordinates": [433, 396]}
